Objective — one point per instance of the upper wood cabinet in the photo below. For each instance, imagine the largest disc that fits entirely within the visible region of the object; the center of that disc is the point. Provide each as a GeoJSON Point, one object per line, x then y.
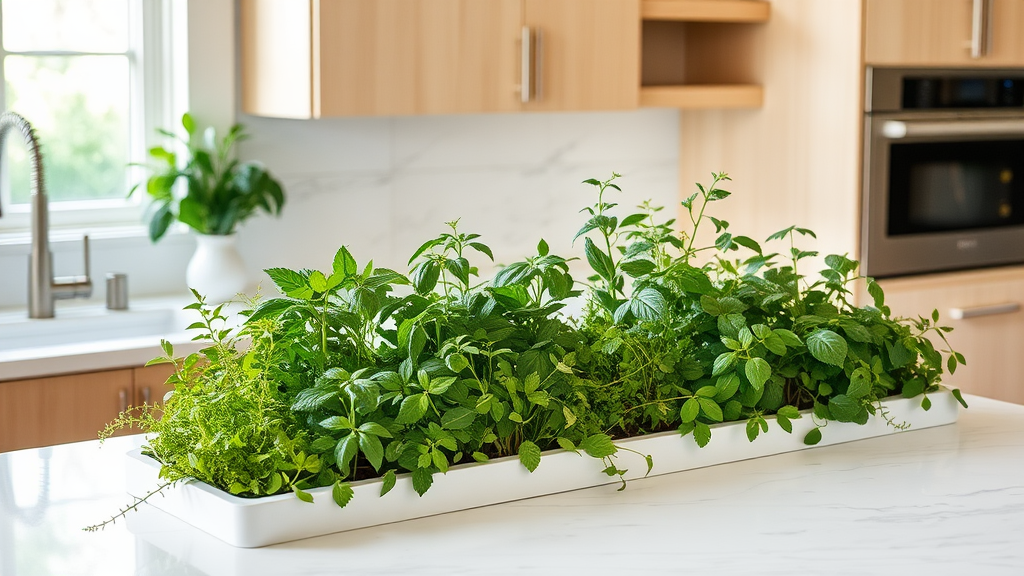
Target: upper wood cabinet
{"type": "Point", "coordinates": [941, 32]}
{"type": "Point", "coordinates": [323, 58]}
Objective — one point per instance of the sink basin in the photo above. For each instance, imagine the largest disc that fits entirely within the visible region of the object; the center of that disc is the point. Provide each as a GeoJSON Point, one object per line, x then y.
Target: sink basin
{"type": "Point", "coordinates": [87, 336]}
{"type": "Point", "coordinates": [80, 325]}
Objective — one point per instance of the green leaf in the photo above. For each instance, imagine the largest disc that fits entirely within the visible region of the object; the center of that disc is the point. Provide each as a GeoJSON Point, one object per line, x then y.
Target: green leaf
{"type": "Point", "coordinates": [422, 479]}
{"type": "Point", "coordinates": [701, 433]}
{"type": "Point", "coordinates": [899, 354]}
{"type": "Point", "coordinates": [727, 386]}
{"type": "Point", "coordinates": [913, 387]}
{"type": "Point", "coordinates": [827, 346]}
{"type": "Point", "coordinates": [638, 267]}
{"type": "Point", "coordinates": [711, 409]}
{"type": "Point", "coordinates": [304, 496]}
{"type": "Point", "coordinates": [290, 282]}
{"type": "Point", "coordinates": [753, 430]}
{"type": "Point", "coordinates": [843, 408]}
{"type": "Point", "coordinates": [387, 482]}
{"type": "Point", "coordinates": [599, 261]}
{"type": "Point", "coordinates": [790, 412]}
{"type": "Point", "coordinates": [959, 397]}
{"type": "Point", "coordinates": [813, 437]}
{"type": "Point", "coordinates": [458, 418]}
{"type": "Point", "coordinates": [344, 263]}
{"type": "Point", "coordinates": [707, 392]}
{"type": "Point", "coordinates": [648, 304]}
{"type": "Point", "coordinates": [342, 493]}
{"type": "Point", "coordinates": [723, 362]}
{"type": "Point", "coordinates": [412, 409]}
{"type": "Point", "coordinates": [337, 423]}
{"type": "Point", "coordinates": [598, 446]}
{"type": "Point", "coordinates": [784, 423]}
{"type": "Point", "coordinates": [542, 248]}
{"type": "Point", "coordinates": [876, 292]}
{"type": "Point", "coordinates": [788, 338]}
{"type": "Point", "coordinates": [926, 403]}
{"type": "Point", "coordinates": [860, 383]}
{"type": "Point", "coordinates": [758, 372]}
{"type": "Point", "coordinates": [371, 447]}
{"type": "Point", "coordinates": [529, 455]}
{"type": "Point", "coordinates": [457, 362]}
{"type": "Point", "coordinates": [566, 444]}
{"type": "Point", "coordinates": [345, 451]}
{"type": "Point", "coordinates": [689, 410]}
{"type": "Point", "coordinates": [425, 276]}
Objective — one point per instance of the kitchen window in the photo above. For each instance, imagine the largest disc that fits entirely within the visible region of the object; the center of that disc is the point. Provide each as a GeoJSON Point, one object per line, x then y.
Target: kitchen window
{"type": "Point", "coordinates": [90, 75]}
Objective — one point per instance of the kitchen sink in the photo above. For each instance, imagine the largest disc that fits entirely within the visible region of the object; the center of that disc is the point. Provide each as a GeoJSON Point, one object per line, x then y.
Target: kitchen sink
{"type": "Point", "coordinates": [87, 336]}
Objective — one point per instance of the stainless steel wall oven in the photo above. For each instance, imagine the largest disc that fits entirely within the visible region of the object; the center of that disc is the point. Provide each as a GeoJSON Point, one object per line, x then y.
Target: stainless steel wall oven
{"type": "Point", "coordinates": [943, 170]}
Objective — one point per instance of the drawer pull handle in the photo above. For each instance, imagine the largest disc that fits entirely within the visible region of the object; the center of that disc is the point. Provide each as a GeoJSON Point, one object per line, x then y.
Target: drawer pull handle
{"type": "Point", "coordinates": [965, 313]}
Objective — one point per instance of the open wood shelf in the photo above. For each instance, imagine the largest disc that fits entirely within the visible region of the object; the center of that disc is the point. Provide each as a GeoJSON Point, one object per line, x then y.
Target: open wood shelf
{"type": "Point", "coordinates": [697, 96]}
{"type": "Point", "coordinates": [701, 53]}
{"type": "Point", "coordinates": [705, 10]}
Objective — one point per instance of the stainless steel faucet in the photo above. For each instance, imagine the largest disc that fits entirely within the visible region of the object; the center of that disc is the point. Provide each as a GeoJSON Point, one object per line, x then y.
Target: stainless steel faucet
{"type": "Point", "coordinates": [43, 288]}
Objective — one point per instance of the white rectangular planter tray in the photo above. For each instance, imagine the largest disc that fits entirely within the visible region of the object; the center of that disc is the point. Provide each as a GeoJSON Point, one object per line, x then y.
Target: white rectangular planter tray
{"type": "Point", "coordinates": [253, 522]}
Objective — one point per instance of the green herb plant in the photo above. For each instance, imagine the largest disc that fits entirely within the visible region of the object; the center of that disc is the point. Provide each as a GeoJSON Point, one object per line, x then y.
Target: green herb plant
{"type": "Point", "coordinates": [362, 372]}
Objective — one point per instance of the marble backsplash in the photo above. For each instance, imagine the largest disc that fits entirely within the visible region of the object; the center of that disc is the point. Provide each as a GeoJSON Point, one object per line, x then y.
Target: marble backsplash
{"type": "Point", "coordinates": [382, 186]}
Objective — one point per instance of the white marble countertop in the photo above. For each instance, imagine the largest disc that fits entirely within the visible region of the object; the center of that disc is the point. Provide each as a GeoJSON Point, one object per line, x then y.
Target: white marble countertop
{"type": "Point", "coordinates": [945, 500]}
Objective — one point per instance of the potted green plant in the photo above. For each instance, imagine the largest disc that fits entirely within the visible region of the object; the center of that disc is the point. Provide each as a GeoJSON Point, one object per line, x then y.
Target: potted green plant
{"type": "Point", "coordinates": [364, 388]}
{"type": "Point", "coordinates": [220, 193]}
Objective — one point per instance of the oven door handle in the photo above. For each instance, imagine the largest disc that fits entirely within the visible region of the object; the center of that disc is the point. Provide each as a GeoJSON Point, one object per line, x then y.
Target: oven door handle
{"type": "Point", "coordinates": [896, 129]}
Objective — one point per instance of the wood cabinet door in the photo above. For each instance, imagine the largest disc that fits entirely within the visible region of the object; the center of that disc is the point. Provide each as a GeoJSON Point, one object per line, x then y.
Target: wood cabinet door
{"type": "Point", "coordinates": [397, 57]}
{"type": "Point", "coordinates": [991, 333]}
{"type": "Point", "coordinates": [938, 33]}
{"type": "Point", "coordinates": [588, 56]}
{"type": "Point", "coordinates": [59, 409]}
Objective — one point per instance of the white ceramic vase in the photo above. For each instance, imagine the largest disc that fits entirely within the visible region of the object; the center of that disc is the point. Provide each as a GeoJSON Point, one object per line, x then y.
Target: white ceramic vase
{"type": "Point", "coordinates": [216, 270]}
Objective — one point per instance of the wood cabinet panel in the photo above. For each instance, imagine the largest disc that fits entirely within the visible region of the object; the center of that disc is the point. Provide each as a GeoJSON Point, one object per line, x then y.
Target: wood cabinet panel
{"type": "Point", "coordinates": [589, 56]}
{"type": "Point", "coordinates": [992, 343]}
{"type": "Point", "coordinates": [150, 384]}
{"type": "Point", "coordinates": [395, 57]}
{"type": "Point", "coordinates": [938, 33]}
{"type": "Point", "coordinates": [59, 409]}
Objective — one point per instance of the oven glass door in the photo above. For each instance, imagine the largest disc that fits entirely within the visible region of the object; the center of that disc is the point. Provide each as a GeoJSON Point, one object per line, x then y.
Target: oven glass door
{"type": "Point", "coordinates": [955, 185]}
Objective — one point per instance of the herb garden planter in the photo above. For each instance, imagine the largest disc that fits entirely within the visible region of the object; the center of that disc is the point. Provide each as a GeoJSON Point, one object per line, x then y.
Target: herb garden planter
{"type": "Point", "coordinates": [254, 522]}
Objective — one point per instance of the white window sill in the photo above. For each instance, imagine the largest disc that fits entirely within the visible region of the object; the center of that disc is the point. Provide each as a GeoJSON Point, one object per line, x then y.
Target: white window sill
{"type": "Point", "coordinates": [60, 238]}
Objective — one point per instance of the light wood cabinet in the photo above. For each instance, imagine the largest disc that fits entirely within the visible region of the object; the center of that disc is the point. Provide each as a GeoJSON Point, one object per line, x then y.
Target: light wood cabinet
{"type": "Point", "coordinates": [940, 32]}
{"type": "Point", "coordinates": [985, 308]}
{"type": "Point", "coordinates": [60, 409]}
{"type": "Point", "coordinates": [398, 57]}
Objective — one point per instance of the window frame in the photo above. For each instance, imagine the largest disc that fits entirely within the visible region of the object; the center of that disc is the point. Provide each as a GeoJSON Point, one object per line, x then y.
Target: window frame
{"type": "Point", "coordinates": [151, 106]}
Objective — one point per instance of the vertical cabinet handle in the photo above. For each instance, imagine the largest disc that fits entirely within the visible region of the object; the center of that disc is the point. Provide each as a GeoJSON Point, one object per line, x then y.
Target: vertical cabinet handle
{"type": "Point", "coordinates": [145, 395]}
{"type": "Point", "coordinates": [122, 397]}
{"type": "Point", "coordinates": [981, 20]}
{"type": "Point", "coordinates": [538, 64]}
{"type": "Point", "coordinates": [526, 65]}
